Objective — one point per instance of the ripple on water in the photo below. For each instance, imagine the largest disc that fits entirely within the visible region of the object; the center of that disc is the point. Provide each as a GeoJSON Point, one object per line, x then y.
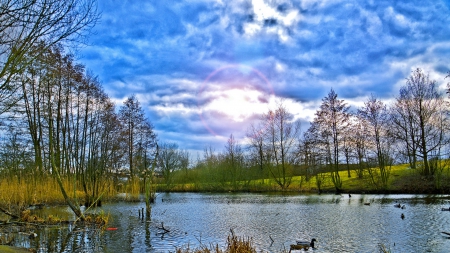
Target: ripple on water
{"type": "Point", "coordinates": [339, 223]}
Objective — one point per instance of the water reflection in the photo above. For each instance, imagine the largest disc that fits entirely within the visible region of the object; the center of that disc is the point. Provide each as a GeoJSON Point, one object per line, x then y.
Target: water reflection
{"type": "Point", "coordinates": [340, 224]}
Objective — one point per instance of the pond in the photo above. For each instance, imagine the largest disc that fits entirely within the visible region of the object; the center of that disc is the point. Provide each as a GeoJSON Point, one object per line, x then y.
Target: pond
{"type": "Point", "coordinates": [340, 223]}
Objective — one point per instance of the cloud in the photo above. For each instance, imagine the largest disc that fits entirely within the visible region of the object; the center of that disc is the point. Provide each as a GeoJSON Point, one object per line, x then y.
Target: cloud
{"type": "Point", "coordinates": [183, 57]}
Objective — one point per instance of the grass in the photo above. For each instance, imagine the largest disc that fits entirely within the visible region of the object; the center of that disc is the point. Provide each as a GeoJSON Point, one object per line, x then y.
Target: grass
{"type": "Point", "coordinates": [401, 180]}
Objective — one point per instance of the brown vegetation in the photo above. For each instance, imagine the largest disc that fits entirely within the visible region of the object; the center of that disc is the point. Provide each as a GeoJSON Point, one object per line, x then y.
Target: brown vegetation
{"type": "Point", "coordinates": [234, 245]}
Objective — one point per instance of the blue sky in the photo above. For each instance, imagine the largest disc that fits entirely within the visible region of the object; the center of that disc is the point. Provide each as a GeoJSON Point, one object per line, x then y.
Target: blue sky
{"type": "Point", "coordinates": [205, 69]}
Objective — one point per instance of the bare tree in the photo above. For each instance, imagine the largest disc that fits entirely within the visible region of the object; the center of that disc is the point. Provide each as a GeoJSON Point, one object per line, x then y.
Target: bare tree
{"type": "Point", "coordinates": [26, 23]}
{"type": "Point", "coordinates": [169, 161]}
{"type": "Point", "coordinates": [234, 158]}
{"type": "Point", "coordinates": [256, 148]}
{"type": "Point", "coordinates": [420, 115]}
{"type": "Point", "coordinates": [360, 131]}
{"type": "Point", "coordinates": [132, 117]}
{"type": "Point", "coordinates": [374, 113]}
{"type": "Point", "coordinates": [281, 137]}
{"type": "Point", "coordinates": [330, 124]}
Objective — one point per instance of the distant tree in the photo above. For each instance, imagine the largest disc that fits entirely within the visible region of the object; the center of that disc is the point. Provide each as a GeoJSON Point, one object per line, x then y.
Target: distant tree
{"type": "Point", "coordinates": [234, 158]}
{"type": "Point", "coordinates": [184, 164]}
{"type": "Point", "coordinates": [374, 114]}
{"type": "Point", "coordinates": [347, 145]}
{"type": "Point", "coordinates": [256, 149]}
{"type": "Point", "coordinates": [360, 130]}
{"type": "Point", "coordinates": [308, 154]}
{"type": "Point", "coordinates": [404, 127]}
{"type": "Point", "coordinates": [330, 124]}
{"type": "Point", "coordinates": [169, 161]}
{"type": "Point", "coordinates": [281, 135]}
{"type": "Point", "coordinates": [15, 157]}
{"type": "Point", "coordinates": [132, 117]}
{"type": "Point", "coordinates": [420, 117]}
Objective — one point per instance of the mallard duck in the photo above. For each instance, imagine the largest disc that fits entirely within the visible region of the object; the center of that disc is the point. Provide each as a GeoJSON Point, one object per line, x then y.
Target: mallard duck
{"type": "Point", "coordinates": [303, 245]}
{"type": "Point", "coordinates": [398, 205]}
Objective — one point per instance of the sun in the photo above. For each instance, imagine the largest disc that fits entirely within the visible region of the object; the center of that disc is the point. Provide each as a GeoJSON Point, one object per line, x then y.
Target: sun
{"type": "Point", "coordinates": [231, 96]}
{"type": "Point", "coordinates": [238, 104]}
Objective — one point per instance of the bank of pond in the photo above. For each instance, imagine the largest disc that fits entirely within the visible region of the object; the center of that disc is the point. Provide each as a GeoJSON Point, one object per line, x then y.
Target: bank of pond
{"type": "Point", "coordinates": [271, 222]}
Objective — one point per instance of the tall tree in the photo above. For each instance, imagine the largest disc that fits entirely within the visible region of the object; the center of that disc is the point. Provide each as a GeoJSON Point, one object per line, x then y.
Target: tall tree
{"type": "Point", "coordinates": [256, 147]}
{"type": "Point", "coordinates": [331, 121]}
{"type": "Point", "coordinates": [26, 23]}
{"type": "Point", "coordinates": [425, 124]}
{"type": "Point", "coordinates": [360, 130]}
{"type": "Point", "coordinates": [374, 112]}
{"type": "Point", "coordinates": [137, 129]}
{"type": "Point", "coordinates": [281, 136]}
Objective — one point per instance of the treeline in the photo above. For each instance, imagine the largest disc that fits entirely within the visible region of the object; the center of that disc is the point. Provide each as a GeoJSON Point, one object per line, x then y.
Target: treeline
{"type": "Point", "coordinates": [65, 125]}
{"type": "Point", "coordinates": [413, 129]}
{"type": "Point", "coordinates": [57, 123]}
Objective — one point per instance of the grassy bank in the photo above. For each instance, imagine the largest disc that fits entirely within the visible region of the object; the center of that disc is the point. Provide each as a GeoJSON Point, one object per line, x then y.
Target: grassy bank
{"type": "Point", "coordinates": [402, 179]}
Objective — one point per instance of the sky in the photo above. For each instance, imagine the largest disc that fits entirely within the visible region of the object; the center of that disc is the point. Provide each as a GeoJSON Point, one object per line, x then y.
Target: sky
{"type": "Point", "coordinates": [205, 69]}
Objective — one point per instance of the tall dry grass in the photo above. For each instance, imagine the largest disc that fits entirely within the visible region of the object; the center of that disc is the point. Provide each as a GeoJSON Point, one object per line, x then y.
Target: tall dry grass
{"type": "Point", "coordinates": [26, 192]}
{"type": "Point", "coordinates": [234, 245]}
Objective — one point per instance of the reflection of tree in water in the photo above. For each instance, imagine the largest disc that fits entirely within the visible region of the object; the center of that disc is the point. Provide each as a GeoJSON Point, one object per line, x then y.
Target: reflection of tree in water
{"type": "Point", "coordinates": [53, 238]}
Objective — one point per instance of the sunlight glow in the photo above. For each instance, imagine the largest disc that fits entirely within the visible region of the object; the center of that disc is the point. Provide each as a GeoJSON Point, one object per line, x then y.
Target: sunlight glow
{"type": "Point", "coordinates": [231, 96]}
{"type": "Point", "coordinates": [238, 104]}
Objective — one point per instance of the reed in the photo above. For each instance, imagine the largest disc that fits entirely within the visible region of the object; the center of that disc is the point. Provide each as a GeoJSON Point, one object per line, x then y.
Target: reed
{"type": "Point", "coordinates": [234, 245]}
{"type": "Point", "coordinates": [383, 248]}
{"type": "Point", "coordinates": [18, 194]}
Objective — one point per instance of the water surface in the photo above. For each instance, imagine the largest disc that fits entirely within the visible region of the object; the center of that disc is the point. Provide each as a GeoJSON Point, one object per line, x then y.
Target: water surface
{"type": "Point", "coordinates": [339, 223]}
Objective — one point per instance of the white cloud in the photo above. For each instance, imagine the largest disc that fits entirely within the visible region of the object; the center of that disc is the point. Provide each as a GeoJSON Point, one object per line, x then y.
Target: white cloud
{"type": "Point", "coordinates": [163, 53]}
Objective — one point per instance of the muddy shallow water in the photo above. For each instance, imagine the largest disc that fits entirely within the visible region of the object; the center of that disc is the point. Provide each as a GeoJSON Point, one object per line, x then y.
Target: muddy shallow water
{"type": "Point", "coordinates": [339, 223]}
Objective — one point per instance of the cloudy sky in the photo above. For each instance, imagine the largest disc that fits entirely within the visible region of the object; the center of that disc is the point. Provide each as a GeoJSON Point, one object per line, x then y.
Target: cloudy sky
{"type": "Point", "coordinates": [205, 69]}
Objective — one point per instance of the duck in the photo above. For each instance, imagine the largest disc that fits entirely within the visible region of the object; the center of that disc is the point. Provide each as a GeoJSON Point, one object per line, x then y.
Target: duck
{"type": "Point", "coordinates": [445, 209]}
{"type": "Point", "coordinates": [32, 236]}
{"type": "Point", "coordinates": [303, 245]}
{"type": "Point", "coordinates": [398, 205]}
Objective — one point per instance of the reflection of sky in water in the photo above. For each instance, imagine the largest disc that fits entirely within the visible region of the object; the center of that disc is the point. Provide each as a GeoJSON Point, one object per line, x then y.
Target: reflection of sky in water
{"type": "Point", "coordinates": [339, 223]}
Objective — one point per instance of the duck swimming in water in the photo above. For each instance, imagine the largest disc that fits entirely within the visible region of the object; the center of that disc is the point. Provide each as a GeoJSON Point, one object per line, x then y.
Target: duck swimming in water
{"type": "Point", "coordinates": [303, 245]}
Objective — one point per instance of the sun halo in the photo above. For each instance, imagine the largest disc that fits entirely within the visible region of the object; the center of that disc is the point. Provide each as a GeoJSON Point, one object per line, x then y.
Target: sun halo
{"type": "Point", "coordinates": [231, 96]}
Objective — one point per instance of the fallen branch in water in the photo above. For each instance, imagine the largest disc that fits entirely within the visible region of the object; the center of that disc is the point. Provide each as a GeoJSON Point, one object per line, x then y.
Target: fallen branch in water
{"type": "Point", "coordinates": [163, 228]}
{"type": "Point", "coordinates": [271, 240]}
